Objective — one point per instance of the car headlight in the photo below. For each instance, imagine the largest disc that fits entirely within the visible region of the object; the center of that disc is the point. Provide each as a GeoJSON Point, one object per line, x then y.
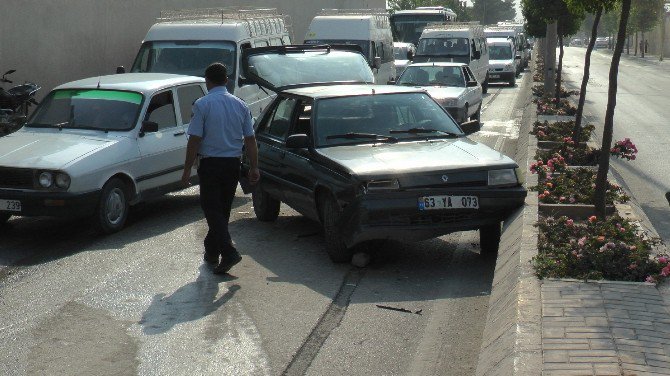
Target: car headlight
{"type": "Point", "coordinates": [503, 177]}
{"type": "Point", "coordinates": [448, 102]}
{"type": "Point", "coordinates": [508, 67]}
{"type": "Point", "coordinates": [62, 180]}
{"type": "Point", "coordinates": [382, 185]}
{"type": "Point", "coordinates": [46, 179]}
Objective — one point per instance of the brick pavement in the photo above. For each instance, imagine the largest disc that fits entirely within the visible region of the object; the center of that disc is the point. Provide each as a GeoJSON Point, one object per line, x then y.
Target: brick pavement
{"type": "Point", "coordinates": [604, 328]}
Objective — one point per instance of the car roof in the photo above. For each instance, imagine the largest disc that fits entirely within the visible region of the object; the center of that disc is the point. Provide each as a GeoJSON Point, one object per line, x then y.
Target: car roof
{"type": "Point", "coordinates": [498, 41]}
{"type": "Point", "coordinates": [437, 64]}
{"type": "Point", "coordinates": [145, 83]}
{"type": "Point", "coordinates": [331, 91]}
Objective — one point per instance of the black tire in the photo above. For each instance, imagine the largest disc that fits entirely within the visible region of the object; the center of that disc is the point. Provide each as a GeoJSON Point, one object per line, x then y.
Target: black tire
{"type": "Point", "coordinates": [266, 207]}
{"type": "Point", "coordinates": [466, 110]}
{"type": "Point", "coordinates": [485, 85]}
{"type": "Point", "coordinates": [489, 239]}
{"type": "Point", "coordinates": [112, 211]}
{"type": "Point", "coordinates": [330, 214]}
{"type": "Point", "coordinates": [512, 82]}
{"type": "Point", "coordinates": [478, 115]}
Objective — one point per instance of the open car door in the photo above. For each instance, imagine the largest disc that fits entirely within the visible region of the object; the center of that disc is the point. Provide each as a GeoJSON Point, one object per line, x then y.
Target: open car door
{"type": "Point", "coordinates": [282, 67]}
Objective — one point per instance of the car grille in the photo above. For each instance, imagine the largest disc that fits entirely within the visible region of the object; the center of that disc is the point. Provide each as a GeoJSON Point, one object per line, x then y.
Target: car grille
{"type": "Point", "coordinates": [499, 69]}
{"type": "Point", "coordinates": [424, 218]}
{"type": "Point", "coordinates": [16, 178]}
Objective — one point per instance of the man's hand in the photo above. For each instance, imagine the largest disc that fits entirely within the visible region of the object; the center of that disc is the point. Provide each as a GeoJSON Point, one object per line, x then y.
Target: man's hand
{"type": "Point", "coordinates": [254, 176]}
{"type": "Point", "coordinates": [186, 178]}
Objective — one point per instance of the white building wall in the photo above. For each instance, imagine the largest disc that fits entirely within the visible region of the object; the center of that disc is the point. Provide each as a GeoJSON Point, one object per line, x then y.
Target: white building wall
{"type": "Point", "coordinates": [54, 41]}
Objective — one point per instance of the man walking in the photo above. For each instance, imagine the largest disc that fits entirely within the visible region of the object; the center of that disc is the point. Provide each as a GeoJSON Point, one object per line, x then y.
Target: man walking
{"type": "Point", "coordinates": [221, 124]}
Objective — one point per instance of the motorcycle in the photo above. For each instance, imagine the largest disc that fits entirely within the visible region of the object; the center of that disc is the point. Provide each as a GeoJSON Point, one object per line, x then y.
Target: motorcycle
{"type": "Point", "coordinates": [14, 104]}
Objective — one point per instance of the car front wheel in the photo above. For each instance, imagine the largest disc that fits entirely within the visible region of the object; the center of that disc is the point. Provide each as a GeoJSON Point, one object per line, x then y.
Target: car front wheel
{"type": "Point", "coordinates": [485, 85]}
{"type": "Point", "coordinates": [113, 207]}
{"type": "Point", "coordinates": [330, 213]}
{"type": "Point", "coordinates": [478, 115]}
{"type": "Point", "coordinates": [4, 217]}
{"type": "Point", "coordinates": [489, 238]}
{"type": "Point", "coordinates": [266, 207]}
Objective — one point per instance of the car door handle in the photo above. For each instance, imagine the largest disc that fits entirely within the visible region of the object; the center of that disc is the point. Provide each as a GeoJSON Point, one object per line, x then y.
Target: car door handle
{"type": "Point", "coordinates": [180, 133]}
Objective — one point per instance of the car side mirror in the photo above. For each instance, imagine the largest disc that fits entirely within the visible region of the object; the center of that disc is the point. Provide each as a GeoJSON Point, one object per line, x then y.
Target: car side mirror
{"type": "Point", "coordinates": [410, 55]}
{"type": "Point", "coordinates": [120, 69]}
{"type": "Point", "coordinates": [297, 141]}
{"type": "Point", "coordinates": [390, 82]}
{"type": "Point", "coordinates": [148, 127]}
{"type": "Point", "coordinates": [477, 55]}
{"type": "Point", "coordinates": [470, 127]}
{"type": "Point", "coordinates": [517, 56]}
{"type": "Point", "coordinates": [377, 62]}
{"type": "Point", "coordinates": [472, 84]}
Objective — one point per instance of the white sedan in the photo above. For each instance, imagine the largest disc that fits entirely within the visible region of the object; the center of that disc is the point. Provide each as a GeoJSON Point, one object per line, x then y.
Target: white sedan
{"type": "Point", "coordinates": [452, 85]}
{"type": "Point", "coordinates": [94, 147]}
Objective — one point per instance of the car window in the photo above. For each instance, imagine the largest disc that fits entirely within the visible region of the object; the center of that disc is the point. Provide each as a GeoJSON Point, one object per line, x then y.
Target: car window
{"type": "Point", "coordinates": [383, 115]}
{"type": "Point", "coordinates": [281, 118]}
{"type": "Point", "coordinates": [469, 76]}
{"type": "Point", "coordinates": [303, 124]}
{"type": "Point", "coordinates": [187, 96]}
{"type": "Point", "coordinates": [161, 110]}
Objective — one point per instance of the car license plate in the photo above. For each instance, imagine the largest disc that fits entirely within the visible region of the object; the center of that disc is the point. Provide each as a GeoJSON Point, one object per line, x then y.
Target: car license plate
{"type": "Point", "coordinates": [10, 205]}
{"type": "Point", "coordinates": [448, 202]}
{"type": "Point", "coordinates": [495, 76]}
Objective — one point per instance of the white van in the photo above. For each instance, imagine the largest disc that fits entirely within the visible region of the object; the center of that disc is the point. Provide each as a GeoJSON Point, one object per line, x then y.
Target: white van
{"type": "Point", "coordinates": [187, 41]}
{"type": "Point", "coordinates": [503, 62]}
{"type": "Point", "coordinates": [456, 42]}
{"type": "Point", "coordinates": [368, 28]}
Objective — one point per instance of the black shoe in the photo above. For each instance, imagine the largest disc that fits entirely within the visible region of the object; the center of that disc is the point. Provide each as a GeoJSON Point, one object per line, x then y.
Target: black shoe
{"type": "Point", "coordinates": [211, 257]}
{"type": "Point", "coordinates": [226, 264]}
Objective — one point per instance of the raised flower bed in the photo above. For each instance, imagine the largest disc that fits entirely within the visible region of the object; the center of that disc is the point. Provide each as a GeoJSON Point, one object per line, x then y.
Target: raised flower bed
{"type": "Point", "coordinates": [572, 154]}
{"type": "Point", "coordinates": [538, 91]}
{"type": "Point", "coordinates": [551, 106]}
{"type": "Point", "coordinates": [554, 134]}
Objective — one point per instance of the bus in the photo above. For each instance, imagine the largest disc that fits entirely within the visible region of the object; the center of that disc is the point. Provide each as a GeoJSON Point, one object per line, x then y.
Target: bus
{"type": "Point", "coordinates": [407, 25]}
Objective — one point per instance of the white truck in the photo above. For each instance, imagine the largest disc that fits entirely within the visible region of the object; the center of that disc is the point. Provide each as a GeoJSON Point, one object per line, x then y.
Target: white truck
{"type": "Point", "coordinates": [187, 41]}
{"type": "Point", "coordinates": [456, 42]}
{"type": "Point", "coordinates": [368, 28]}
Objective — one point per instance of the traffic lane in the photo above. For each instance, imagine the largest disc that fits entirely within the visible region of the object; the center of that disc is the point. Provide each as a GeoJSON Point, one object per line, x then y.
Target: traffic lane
{"type": "Point", "coordinates": [640, 115]}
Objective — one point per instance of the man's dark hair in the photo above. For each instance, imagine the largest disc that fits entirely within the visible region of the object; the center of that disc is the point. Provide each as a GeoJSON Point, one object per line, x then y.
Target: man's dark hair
{"type": "Point", "coordinates": [216, 73]}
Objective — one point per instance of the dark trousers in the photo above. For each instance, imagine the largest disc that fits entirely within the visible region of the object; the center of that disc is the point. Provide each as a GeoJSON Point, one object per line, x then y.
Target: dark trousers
{"type": "Point", "coordinates": [218, 182]}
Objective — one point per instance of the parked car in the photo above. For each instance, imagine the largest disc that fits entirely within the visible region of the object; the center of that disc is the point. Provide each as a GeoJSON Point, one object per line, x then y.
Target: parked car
{"type": "Point", "coordinates": [602, 42]}
{"type": "Point", "coordinates": [96, 146]}
{"type": "Point", "coordinates": [373, 161]}
{"type": "Point", "coordinates": [452, 85]}
{"type": "Point", "coordinates": [403, 54]}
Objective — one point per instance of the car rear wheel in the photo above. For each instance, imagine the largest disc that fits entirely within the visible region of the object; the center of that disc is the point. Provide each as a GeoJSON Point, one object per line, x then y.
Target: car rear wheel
{"type": "Point", "coordinates": [478, 115]}
{"type": "Point", "coordinates": [113, 207]}
{"type": "Point", "coordinates": [485, 85]}
{"type": "Point", "coordinates": [266, 207]}
{"type": "Point", "coordinates": [330, 214]}
{"type": "Point", "coordinates": [489, 238]}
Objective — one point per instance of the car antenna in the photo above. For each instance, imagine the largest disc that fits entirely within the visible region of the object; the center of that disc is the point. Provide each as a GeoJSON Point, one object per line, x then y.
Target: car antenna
{"type": "Point", "coordinates": [98, 83]}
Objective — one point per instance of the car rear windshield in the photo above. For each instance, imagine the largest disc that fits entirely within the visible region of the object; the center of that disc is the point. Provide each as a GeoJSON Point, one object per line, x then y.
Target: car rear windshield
{"type": "Point", "coordinates": [108, 110]}
{"type": "Point", "coordinates": [433, 75]}
{"type": "Point", "coordinates": [443, 47]}
{"type": "Point", "coordinates": [398, 115]}
{"type": "Point", "coordinates": [310, 67]}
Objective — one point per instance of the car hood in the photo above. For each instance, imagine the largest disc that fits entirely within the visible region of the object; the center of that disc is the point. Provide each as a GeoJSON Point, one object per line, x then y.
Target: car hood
{"type": "Point", "coordinates": [412, 157]}
{"type": "Point", "coordinates": [47, 150]}
{"type": "Point", "coordinates": [444, 91]}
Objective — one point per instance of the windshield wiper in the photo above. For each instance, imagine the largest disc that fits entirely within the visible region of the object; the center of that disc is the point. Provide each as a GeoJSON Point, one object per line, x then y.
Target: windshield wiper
{"type": "Point", "coordinates": [353, 135]}
{"type": "Point", "coordinates": [409, 84]}
{"type": "Point", "coordinates": [424, 130]}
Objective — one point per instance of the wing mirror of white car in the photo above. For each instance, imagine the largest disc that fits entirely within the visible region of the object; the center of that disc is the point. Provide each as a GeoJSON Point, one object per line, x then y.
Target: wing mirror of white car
{"type": "Point", "coordinates": [472, 84]}
{"type": "Point", "coordinates": [120, 69]}
{"type": "Point", "coordinates": [377, 62]}
{"type": "Point", "coordinates": [390, 82]}
{"type": "Point", "coordinates": [470, 127]}
{"type": "Point", "coordinates": [518, 57]}
{"type": "Point", "coordinates": [148, 127]}
{"type": "Point", "coordinates": [476, 55]}
{"type": "Point", "coordinates": [297, 141]}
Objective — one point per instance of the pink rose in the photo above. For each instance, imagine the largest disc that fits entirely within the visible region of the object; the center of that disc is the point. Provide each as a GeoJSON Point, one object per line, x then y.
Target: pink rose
{"type": "Point", "coordinates": [569, 222]}
{"type": "Point", "coordinates": [663, 260]}
{"type": "Point", "coordinates": [593, 218]}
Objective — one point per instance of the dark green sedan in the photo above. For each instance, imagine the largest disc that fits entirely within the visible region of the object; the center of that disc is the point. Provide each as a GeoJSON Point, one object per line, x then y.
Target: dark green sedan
{"type": "Point", "coordinates": [374, 162]}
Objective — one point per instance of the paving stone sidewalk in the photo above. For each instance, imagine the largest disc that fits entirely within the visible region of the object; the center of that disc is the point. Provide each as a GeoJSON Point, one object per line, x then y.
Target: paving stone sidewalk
{"type": "Point", "coordinates": [604, 328]}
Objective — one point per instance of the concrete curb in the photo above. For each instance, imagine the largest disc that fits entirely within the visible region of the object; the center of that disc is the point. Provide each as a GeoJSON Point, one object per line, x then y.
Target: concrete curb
{"type": "Point", "coordinates": [512, 340]}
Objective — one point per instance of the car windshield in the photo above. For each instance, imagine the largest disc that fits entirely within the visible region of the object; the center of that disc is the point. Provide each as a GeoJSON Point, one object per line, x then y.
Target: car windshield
{"type": "Point", "coordinates": [310, 67]}
{"type": "Point", "coordinates": [108, 110]}
{"type": "Point", "coordinates": [189, 58]}
{"type": "Point", "coordinates": [432, 75]}
{"type": "Point", "coordinates": [500, 52]}
{"type": "Point", "coordinates": [443, 47]}
{"type": "Point", "coordinates": [380, 118]}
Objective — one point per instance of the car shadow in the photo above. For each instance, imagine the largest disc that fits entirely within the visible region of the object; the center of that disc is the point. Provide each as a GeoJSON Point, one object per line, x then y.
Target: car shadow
{"type": "Point", "coordinates": [292, 248]}
{"type": "Point", "coordinates": [32, 241]}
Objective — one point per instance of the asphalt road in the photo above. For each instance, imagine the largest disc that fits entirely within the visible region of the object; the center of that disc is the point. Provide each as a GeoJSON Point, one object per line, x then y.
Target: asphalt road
{"type": "Point", "coordinates": [641, 114]}
{"type": "Point", "coordinates": [141, 302]}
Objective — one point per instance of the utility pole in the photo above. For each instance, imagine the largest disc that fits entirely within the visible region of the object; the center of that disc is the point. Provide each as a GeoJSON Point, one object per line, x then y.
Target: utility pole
{"type": "Point", "coordinates": [662, 50]}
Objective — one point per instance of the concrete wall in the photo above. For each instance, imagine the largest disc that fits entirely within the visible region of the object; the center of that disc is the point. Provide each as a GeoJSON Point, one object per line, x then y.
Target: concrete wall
{"type": "Point", "coordinates": [55, 41]}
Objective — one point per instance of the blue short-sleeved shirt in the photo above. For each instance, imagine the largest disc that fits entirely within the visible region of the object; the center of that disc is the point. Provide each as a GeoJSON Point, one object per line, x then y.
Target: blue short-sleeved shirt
{"type": "Point", "coordinates": [222, 120]}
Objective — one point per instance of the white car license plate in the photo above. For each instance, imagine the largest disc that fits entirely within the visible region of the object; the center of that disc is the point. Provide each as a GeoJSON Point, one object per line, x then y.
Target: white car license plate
{"type": "Point", "coordinates": [10, 205]}
{"type": "Point", "coordinates": [448, 202]}
{"type": "Point", "coordinates": [495, 76]}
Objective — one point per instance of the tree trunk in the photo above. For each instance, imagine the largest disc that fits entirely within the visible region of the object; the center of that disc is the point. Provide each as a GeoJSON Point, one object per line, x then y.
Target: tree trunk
{"type": "Point", "coordinates": [637, 43]}
{"type": "Point", "coordinates": [662, 50]}
{"type": "Point", "coordinates": [560, 67]}
{"type": "Point", "coordinates": [576, 131]}
{"type": "Point", "coordinates": [643, 46]}
{"type": "Point", "coordinates": [600, 201]}
{"type": "Point", "coordinates": [628, 45]}
{"type": "Point", "coordinates": [550, 60]}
